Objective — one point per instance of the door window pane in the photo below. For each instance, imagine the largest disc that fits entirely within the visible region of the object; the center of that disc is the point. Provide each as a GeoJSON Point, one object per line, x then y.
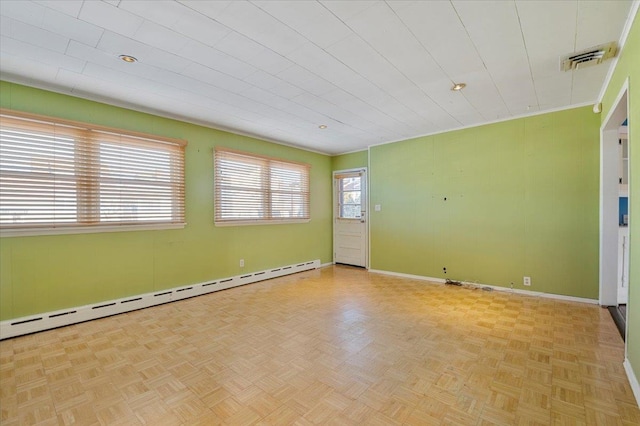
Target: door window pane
{"type": "Point", "coordinates": [349, 197]}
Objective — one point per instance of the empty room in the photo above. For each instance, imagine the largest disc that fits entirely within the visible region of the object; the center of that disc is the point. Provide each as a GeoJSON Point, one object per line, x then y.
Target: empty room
{"type": "Point", "coordinates": [319, 212]}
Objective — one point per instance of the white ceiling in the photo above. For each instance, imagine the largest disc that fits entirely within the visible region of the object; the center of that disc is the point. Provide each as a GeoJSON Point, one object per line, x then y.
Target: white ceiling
{"type": "Point", "coordinates": [371, 71]}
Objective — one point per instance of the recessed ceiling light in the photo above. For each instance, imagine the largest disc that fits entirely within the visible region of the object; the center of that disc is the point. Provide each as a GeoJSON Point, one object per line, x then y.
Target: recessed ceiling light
{"type": "Point", "coordinates": [458, 86]}
{"type": "Point", "coordinates": [128, 58]}
{"type": "Point", "coordinates": [322, 126]}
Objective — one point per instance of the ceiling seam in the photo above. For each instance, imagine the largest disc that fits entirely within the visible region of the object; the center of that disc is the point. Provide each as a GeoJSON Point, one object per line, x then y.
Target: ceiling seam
{"type": "Point", "coordinates": [526, 49]}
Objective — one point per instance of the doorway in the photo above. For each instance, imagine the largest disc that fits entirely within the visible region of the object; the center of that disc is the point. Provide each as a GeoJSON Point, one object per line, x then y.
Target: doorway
{"type": "Point", "coordinates": [614, 199]}
{"type": "Point", "coordinates": [350, 230]}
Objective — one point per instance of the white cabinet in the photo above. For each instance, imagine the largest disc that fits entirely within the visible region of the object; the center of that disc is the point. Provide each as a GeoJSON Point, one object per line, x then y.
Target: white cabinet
{"type": "Point", "coordinates": [623, 264]}
{"type": "Point", "coordinates": [624, 161]}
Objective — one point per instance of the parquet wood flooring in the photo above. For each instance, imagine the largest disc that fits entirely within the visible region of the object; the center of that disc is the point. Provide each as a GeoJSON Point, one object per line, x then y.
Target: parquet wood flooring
{"type": "Point", "coordinates": [336, 346]}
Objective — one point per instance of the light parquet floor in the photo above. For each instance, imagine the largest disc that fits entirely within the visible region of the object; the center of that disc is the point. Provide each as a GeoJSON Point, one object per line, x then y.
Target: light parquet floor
{"type": "Point", "coordinates": [332, 346]}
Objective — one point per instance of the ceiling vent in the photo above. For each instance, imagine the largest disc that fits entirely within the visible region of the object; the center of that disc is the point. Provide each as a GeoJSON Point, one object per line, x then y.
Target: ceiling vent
{"type": "Point", "coordinates": [588, 57]}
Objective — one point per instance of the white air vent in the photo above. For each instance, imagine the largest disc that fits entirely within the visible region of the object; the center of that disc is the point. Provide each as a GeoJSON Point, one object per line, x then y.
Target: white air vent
{"type": "Point", "coordinates": [586, 58]}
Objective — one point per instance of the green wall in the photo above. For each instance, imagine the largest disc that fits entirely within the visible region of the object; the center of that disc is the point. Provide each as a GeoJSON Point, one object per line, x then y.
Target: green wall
{"type": "Point", "coordinates": [352, 160]}
{"type": "Point", "coordinates": [492, 204]}
{"type": "Point", "coordinates": [629, 67]}
{"type": "Point", "coordinates": [45, 273]}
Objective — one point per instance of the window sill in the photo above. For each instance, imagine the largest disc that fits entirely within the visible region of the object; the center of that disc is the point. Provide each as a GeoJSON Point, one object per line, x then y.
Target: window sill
{"type": "Point", "coordinates": [31, 232]}
{"type": "Point", "coordinates": [260, 222]}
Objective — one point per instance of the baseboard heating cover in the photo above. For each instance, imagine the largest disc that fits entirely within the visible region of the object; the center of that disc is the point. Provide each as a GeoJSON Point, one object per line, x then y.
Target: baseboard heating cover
{"type": "Point", "coordinates": [33, 323]}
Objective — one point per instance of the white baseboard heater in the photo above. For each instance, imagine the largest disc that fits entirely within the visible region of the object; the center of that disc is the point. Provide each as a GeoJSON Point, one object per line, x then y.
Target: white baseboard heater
{"type": "Point", "coordinates": [33, 323]}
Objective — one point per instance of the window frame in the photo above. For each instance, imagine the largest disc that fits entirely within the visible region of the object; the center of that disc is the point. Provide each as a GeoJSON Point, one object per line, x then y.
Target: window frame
{"type": "Point", "coordinates": [265, 190]}
{"type": "Point", "coordinates": [93, 136]}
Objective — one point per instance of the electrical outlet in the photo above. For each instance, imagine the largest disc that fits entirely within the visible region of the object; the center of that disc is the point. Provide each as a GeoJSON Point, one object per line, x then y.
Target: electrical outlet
{"type": "Point", "coordinates": [242, 263]}
{"type": "Point", "coordinates": [526, 281]}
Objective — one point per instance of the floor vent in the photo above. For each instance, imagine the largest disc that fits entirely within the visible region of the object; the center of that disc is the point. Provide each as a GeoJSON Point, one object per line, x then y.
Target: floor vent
{"type": "Point", "coordinates": [46, 321]}
{"type": "Point", "coordinates": [589, 57]}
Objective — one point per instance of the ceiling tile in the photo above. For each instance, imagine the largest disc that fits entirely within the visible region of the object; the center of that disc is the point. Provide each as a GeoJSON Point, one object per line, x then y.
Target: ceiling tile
{"type": "Point", "coordinates": [381, 27]}
{"type": "Point", "coordinates": [262, 80]}
{"type": "Point", "coordinates": [183, 20]}
{"type": "Point", "coordinates": [548, 36]}
{"type": "Point", "coordinates": [209, 8]}
{"type": "Point", "coordinates": [594, 14]}
{"type": "Point", "coordinates": [306, 80]}
{"type": "Point", "coordinates": [286, 89]}
{"type": "Point", "coordinates": [357, 106]}
{"type": "Point", "coordinates": [256, 24]}
{"type": "Point", "coordinates": [67, 26]}
{"type": "Point", "coordinates": [27, 69]}
{"type": "Point", "coordinates": [437, 27]}
{"type": "Point", "coordinates": [165, 13]}
{"type": "Point", "coordinates": [309, 19]}
{"type": "Point", "coordinates": [68, 7]}
{"type": "Point", "coordinates": [29, 13]}
{"type": "Point", "coordinates": [585, 83]}
{"type": "Point", "coordinates": [215, 78]}
{"type": "Point", "coordinates": [161, 37]}
{"type": "Point", "coordinates": [243, 48]}
{"type": "Point", "coordinates": [215, 59]}
{"type": "Point", "coordinates": [199, 27]}
{"type": "Point", "coordinates": [37, 36]}
{"type": "Point", "coordinates": [110, 17]}
{"type": "Point", "coordinates": [347, 9]}
{"type": "Point", "coordinates": [39, 54]}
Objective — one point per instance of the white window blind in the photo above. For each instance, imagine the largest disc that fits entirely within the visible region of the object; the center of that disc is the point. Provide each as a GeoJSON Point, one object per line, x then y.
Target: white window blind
{"type": "Point", "coordinates": [257, 189]}
{"type": "Point", "coordinates": [61, 174]}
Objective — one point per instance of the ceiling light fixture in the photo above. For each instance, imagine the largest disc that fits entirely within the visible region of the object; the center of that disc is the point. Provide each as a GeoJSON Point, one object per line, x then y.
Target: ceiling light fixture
{"type": "Point", "coordinates": [458, 86]}
{"type": "Point", "coordinates": [128, 58]}
{"type": "Point", "coordinates": [322, 126]}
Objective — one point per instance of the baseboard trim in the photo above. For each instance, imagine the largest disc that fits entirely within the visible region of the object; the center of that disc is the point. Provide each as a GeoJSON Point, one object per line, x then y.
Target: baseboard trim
{"type": "Point", "coordinates": [633, 380]}
{"type": "Point", "coordinates": [324, 265]}
{"type": "Point", "coordinates": [45, 321]}
{"type": "Point", "coordinates": [493, 287]}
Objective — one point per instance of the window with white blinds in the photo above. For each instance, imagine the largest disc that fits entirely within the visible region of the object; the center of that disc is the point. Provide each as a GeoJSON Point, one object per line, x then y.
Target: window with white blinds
{"type": "Point", "coordinates": [62, 174]}
{"type": "Point", "coordinates": [255, 189]}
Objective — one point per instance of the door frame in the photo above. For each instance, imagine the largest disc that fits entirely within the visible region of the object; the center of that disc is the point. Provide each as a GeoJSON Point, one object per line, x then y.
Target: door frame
{"type": "Point", "coordinates": [609, 194]}
{"type": "Point", "coordinates": [365, 206]}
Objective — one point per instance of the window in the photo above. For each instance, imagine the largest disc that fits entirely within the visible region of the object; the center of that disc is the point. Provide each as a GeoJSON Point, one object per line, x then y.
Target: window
{"type": "Point", "coordinates": [256, 189]}
{"type": "Point", "coordinates": [66, 175]}
{"type": "Point", "coordinates": [349, 196]}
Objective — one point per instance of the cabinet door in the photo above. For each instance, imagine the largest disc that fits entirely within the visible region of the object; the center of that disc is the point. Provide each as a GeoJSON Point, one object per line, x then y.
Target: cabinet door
{"type": "Point", "coordinates": [623, 265]}
{"type": "Point", "coordinates": [623, 148]}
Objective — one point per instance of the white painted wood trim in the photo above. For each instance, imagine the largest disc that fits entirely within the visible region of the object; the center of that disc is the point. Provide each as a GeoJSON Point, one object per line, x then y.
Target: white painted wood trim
{"type": "Point", "coordinates": [621, 43]}
{"type": "Point", "coordinates": [30, 232]}
{"type": "Point", "coordinates": [633, 379]}
{"type": "Point", "coordinates": [493, 287]}
{"type": "Point", "coordinates": [369, 207]}
{"type": "Point", "coordinates": [45, 321]}
{"type": "Point", "coordinates": [623, 90]}
{"type": "Point", "coordinates": [334, 217]}
{"type": "Point", "coordinates": [486, 123]}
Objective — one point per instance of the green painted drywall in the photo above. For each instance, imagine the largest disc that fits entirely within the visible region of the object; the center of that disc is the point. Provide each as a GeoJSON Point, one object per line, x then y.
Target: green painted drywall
{"type": "Point", "coordinates": [45, 273]}
{"type": "Point", "coordinates": [629, 67]}
{"type": "Point", "coordinates": [493, 204]}
{"type": "Point", "coordinates": [352, 160]}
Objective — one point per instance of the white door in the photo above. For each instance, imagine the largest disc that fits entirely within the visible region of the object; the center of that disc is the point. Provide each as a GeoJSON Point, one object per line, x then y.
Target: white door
{"type": "Point", "coordinates": [350, 217]}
